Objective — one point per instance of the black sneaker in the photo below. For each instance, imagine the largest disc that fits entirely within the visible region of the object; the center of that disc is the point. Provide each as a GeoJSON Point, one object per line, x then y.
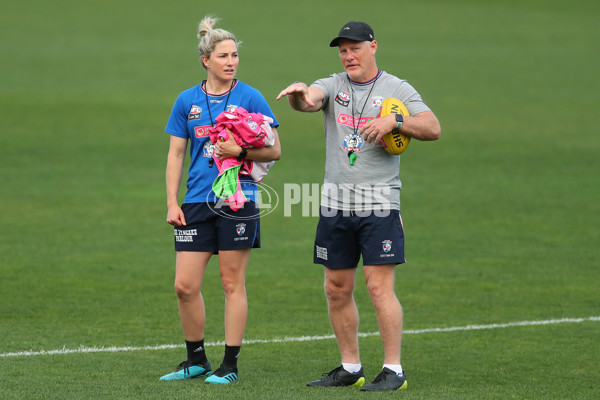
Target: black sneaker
{"type": "Point", "coordinates": [340, 377]}
{"type": "Point", "coordinates": [386, 380]}
{"type": "Point", "coordinates": [187, 370]}
{"type": "Point", "coordinates": [223, 375]}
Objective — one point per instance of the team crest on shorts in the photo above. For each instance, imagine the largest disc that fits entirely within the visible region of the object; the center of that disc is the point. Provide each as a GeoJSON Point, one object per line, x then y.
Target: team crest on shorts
{"type": "Point", "coordinates": [352, 142]}
{"type": "Point", "coordinates": [240, 229]}
{"type": "Point", "coordinates": [386, 245]}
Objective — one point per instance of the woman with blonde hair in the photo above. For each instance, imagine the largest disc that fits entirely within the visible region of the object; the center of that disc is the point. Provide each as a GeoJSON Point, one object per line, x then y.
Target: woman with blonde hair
{"type": "Point", "coordinates": [203, 226]}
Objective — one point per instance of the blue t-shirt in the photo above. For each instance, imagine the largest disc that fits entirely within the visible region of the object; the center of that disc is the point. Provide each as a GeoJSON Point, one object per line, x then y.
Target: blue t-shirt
{"type": "Point", "coordinates": [191, 119]}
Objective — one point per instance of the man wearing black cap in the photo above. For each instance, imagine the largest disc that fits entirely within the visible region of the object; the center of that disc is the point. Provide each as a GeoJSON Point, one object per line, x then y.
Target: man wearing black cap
{"type": "Point", "coordinates": [360, 199]}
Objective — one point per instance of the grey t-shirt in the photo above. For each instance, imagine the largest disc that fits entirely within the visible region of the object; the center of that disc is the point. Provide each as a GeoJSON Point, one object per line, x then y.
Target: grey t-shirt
{"type": "Point", "coordinates": [372, 183]}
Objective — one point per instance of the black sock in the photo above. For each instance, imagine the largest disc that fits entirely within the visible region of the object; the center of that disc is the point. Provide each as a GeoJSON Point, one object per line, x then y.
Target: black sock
{"type": "Point", "coordinates": [195, 352]}
{"type": "Point", "coordinates": [231, 356]}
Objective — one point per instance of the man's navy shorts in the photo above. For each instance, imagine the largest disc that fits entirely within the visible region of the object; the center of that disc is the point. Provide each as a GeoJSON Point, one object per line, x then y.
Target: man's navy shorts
{"type": "Point", "coordinates": [343, 236]}
{"type": "Point", "coordinates": [212, 229]}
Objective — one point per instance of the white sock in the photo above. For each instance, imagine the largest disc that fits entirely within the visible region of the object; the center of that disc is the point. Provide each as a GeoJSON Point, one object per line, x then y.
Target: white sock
{"type": "Point", "coordinates": [396, 368]}
{"type": "Point", "coordinates": [352, 368]}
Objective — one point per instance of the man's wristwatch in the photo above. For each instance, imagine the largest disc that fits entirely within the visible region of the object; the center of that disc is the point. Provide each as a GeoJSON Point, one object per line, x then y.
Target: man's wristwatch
{"type": "Point", "coordinates": [243, 154]}
{"type": "Point", "coordinates": [399, 120]}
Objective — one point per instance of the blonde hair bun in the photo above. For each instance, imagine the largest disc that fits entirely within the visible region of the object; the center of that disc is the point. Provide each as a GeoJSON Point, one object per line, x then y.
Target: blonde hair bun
{"type": "Point", "coordinates": [206, 25]}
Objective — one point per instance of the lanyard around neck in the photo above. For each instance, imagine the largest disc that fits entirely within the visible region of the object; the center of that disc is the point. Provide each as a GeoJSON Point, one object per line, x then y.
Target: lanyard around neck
{"type": "Point", "coordinates": [356, 123]}
{"type": "Point", "coordinates": [208, 103]}
{"type": "Point", "coordinates": [210, 160]}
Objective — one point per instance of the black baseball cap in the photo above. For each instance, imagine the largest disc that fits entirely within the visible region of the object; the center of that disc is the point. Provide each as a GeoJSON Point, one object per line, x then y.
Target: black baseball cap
{"type": "Point", "coordinates": [354, 30]}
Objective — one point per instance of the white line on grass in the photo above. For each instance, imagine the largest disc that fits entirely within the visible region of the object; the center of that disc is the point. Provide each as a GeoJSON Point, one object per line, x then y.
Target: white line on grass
{"type": "Point", "coordinates": [84, 349]}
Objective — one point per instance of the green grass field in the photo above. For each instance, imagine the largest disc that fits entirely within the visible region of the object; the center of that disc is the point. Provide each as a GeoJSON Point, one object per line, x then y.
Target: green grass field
{"type": "Point", "coordinates": [501, 215]}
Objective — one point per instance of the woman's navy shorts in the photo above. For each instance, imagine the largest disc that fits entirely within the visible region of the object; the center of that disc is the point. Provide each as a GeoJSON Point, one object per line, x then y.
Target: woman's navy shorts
{"type": "Point", "coordinates": [212, 229]}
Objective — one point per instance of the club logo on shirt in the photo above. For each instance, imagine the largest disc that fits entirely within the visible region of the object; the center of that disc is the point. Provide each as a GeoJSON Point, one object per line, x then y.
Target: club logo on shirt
{"type": "Point", "coordinates": [195, 113]}
{"type": "Point", "coordinates": [377, 101]}
{"type": "Point", "coordinates": [352, 142]}
{"type": "Point", "coordinates": [342, 98]}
